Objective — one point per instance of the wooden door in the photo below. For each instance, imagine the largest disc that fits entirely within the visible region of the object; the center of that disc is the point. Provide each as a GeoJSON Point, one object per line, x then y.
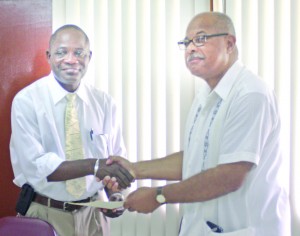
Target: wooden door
{"type": "Point", "coordinates": [25, 28]}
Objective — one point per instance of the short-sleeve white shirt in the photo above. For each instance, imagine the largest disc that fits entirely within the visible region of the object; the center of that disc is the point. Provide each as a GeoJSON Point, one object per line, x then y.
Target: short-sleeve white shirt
{"type": "Point", "coordinates": [238, 121]}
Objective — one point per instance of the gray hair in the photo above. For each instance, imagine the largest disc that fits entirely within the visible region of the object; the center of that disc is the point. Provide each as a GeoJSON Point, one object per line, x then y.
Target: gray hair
{"type": "Point", "coordinates": [221, 21]}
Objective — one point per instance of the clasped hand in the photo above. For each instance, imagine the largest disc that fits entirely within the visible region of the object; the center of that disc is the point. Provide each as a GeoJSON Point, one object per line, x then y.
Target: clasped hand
{"type": "Point", "coordinates": [114, 170]}
{"type": "Point", "coordinates": [143, 199]}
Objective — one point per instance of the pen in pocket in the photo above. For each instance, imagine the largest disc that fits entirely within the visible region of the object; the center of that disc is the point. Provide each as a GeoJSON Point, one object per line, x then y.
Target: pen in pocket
{"type": "Point", "coordinates": [91, 134]}
{"type": "Point", "coordinates": [215, 228]}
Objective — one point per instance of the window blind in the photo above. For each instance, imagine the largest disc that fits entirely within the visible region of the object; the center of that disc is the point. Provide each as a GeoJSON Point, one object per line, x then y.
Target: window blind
{"type": "Point", "coordinates": [136, 60]}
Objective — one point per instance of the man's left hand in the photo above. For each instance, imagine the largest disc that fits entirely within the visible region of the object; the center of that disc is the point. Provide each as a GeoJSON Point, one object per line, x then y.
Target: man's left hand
{"type": "Point", "coordinates": [143, 200]}
{"type": "Point", "coordinates": [115, 212]}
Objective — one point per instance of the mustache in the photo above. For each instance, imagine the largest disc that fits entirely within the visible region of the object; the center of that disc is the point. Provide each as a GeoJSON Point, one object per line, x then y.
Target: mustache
{"type": "Point", "coordinates": [195, 55]}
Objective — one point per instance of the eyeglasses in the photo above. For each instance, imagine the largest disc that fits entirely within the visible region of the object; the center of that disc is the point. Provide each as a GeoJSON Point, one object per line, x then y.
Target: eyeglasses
{"type": "Point", "coordinates": [79, 54]}
{"type": "Point", "coordinates": [199, 40]}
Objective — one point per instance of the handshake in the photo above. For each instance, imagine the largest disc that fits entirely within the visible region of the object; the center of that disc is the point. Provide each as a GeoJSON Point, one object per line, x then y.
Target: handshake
{"type": "Point", "coordinates": [116, 175]}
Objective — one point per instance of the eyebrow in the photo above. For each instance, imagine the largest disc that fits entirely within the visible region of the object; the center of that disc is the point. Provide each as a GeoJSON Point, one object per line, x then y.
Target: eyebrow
{"type": "Point", "coordinates": [66, 48]}
{"type": "Point", "coordinates": [200, 32]}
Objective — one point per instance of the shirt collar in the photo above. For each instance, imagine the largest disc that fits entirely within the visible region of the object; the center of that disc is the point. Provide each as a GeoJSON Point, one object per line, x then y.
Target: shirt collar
{"type": "Point", "coordinates": [226, 83]}
{"type": "Point", "coordinates": [58, 93]}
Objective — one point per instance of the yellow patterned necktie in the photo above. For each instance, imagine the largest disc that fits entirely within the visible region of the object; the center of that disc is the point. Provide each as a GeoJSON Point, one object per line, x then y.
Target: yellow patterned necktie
{"type": "Point", "coordinates": [73, 147]}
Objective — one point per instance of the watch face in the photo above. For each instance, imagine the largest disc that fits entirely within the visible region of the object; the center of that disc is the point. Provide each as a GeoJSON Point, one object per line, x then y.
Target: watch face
{"type": "Point", "coordinates": [160, 198]}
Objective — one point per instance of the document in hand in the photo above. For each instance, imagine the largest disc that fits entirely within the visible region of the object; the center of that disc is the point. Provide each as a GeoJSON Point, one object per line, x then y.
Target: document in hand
{"type": "Point", "coordinates": [101, 204]}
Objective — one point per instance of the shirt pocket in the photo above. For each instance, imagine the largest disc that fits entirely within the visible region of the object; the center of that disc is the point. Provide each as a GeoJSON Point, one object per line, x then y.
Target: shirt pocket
{"type": "Point", "coordinates": [241, 232]}
{"type": "Point", "coordinates": [100, 143]}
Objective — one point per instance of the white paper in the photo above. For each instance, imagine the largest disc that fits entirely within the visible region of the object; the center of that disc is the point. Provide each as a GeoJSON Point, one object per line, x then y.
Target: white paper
{"type": "Point", "coordinates": [101, 204]}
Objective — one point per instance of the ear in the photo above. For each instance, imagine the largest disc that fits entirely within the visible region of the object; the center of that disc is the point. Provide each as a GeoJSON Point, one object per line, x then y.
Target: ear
{"type": "Point", "coordinates": [231, 40]}
{"type": "Point", "coordinates": [48, 55]}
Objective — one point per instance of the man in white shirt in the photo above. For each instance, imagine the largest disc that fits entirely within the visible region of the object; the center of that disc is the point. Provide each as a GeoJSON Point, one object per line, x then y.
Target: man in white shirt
{"type": "Point", "coordinates": [38, 138]}
{"type": "Point", "coordinates": [233, 178]}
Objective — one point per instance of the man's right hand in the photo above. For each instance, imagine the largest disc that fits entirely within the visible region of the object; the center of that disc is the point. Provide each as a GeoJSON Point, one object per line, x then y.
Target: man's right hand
{"type": "Point", "coordinates": [122, 175]}
{"type": "Point", "coordinates": [112, 183]}
{"type": "Point", "coordinates": [122, 162]}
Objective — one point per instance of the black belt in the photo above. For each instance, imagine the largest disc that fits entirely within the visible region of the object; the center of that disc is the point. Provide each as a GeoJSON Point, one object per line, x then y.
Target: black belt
{"type": "Point", "coordinates": [65, 206]}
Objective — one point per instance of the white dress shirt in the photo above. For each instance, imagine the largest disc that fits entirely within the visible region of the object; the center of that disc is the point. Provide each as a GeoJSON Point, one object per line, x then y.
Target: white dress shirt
{"type": "Point", "coordinates": [38, 137]}
{"type": "Point", "coordinates": [238, 121]}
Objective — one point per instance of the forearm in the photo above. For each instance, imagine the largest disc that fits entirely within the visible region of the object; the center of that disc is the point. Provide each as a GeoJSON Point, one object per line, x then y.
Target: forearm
{"type": "Point", "coordinates": [168, 168]}
{"type": "Point", "coordinates": [209, 184]}
{"type": "Point", "coordinates": [80, 168]}
{"type": "Point", "coordinates": [72, 169]}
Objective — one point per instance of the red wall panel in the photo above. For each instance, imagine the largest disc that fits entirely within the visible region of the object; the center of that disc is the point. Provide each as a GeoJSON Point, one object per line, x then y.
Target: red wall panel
{"type": "Point", "coordinates": [25, 28]}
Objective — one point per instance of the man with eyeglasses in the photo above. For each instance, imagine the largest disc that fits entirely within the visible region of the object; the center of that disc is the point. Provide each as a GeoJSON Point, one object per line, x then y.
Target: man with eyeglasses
{"type": "Point", "coordinates": [232, 176]}
{"type": "Point", "coordinates": [43, 145]}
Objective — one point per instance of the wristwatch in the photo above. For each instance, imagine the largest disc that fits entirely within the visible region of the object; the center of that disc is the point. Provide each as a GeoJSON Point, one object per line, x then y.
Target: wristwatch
{"type": "Point", "coordinates": [160, 198]}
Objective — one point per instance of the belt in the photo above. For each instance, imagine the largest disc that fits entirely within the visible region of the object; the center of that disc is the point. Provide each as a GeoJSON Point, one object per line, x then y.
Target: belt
{"type": "Point", "coordinates": [65, 206]}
